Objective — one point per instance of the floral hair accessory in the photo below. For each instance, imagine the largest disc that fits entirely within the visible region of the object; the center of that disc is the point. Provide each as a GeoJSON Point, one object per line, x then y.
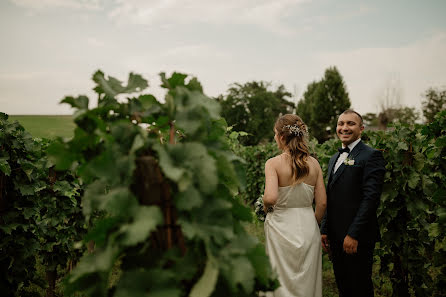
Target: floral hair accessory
{"type": "Point", "coordinates": [295, 129]}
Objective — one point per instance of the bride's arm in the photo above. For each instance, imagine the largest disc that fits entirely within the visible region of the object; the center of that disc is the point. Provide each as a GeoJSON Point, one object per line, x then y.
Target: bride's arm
{"type": "Point", "coordinates": [271, 185]}
{"type": "Point", "coordinates": [320, 196]}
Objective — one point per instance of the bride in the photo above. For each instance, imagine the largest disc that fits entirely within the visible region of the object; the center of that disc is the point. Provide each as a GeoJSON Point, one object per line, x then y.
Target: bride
{"type": "Point", "coordinates": [293, 180]}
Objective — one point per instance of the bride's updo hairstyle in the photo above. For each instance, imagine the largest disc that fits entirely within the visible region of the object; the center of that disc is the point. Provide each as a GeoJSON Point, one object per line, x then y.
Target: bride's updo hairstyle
{"type": "Point", "coordinates": [294, 132]}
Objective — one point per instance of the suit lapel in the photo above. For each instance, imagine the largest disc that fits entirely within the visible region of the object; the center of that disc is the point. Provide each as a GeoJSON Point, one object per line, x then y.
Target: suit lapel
{"type": "Point", "coordinates": [338, 173]}
{"type": "Point", "coordinates": [352, 155]}
{"type": "Point", "coordinates": [331, 165]}
{"type": "Point", "coordinates": [356, 150]}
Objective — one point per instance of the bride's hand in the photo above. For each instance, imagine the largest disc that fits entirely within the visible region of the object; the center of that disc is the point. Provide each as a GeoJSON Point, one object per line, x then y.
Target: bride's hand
{"type": "Point", "coordinates": [325, 243]}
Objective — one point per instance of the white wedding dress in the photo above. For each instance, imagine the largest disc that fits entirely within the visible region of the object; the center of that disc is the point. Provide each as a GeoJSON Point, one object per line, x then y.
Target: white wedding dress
{"type": "Point", "coordinates": [293, 243]}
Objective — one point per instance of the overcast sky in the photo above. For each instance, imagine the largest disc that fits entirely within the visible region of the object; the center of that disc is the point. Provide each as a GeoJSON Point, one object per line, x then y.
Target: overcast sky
{"type": "Point", "coordinates": [51, 48]}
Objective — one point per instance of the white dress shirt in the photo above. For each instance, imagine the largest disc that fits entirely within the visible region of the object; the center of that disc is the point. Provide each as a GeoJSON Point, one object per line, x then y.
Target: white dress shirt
{"type": "Point", "coordinates": [344, 155]}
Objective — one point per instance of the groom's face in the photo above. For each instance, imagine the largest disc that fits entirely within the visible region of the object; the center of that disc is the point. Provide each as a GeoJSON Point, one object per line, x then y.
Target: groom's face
{"type": "Point", "coordinates": [349, 128]}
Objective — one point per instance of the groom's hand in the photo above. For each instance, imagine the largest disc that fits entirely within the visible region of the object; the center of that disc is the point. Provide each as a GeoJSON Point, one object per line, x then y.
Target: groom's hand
{"type": "Point", "coordinates": [350, 245]}
{"type": "Point", "coordinates": [325, 243]}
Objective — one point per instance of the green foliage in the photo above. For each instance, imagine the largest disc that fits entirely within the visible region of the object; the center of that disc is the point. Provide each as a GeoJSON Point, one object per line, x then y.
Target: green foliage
{"type": "Point", "coordinates": [40, 212]}
{"type": "Point", "coordinates": [253, 108]}
{"type": "Point", "coordinates": [414, 188]}
{"type": "Point", "coordinates": [163, 179]}
{"type": "Point", "coordinates": [435, 101]}
{"type": "Point", "coordinates": [322, 103]}
{"type": "Point", "coordinates": [254, 167]}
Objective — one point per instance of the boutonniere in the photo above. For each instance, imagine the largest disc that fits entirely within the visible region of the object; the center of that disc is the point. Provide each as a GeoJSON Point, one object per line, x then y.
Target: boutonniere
{"type": "Point", "coordinates": [349, 162]}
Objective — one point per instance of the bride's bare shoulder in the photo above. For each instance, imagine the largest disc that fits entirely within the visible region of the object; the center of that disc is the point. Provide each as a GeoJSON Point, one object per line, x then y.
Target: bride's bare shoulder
{"type": "Point", "coordinates": [274, 160]}
{"type": "Point", "coordinates": [314, 162]}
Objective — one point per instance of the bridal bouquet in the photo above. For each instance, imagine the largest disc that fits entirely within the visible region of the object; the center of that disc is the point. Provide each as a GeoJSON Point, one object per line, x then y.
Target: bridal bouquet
{"type": "Point", "coordinates": [258, 208]}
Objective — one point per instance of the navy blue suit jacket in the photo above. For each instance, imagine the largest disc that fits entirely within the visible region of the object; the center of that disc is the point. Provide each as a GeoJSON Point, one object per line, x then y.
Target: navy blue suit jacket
{"type": "Point", "coordinates": [353, 195]}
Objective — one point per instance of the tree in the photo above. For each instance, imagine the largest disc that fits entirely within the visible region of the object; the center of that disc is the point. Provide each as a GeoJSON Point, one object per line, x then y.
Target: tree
{"type": "Point", "coordinates": [322, 103]}
{"type": "Point", "coordinates": [370, 120]}
{"type": "Point", "coordinates": [253, 108]}
{"type": "Point", "coordinates": [391, 109]}
{"type": "Point", "coordinates": [435, 101]}
{"type": "Point", "coordinates": [405, 115]}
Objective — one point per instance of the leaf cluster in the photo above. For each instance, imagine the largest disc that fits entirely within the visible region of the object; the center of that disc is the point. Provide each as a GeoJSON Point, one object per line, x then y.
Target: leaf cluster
{"type": "Point", "coordinates": [152, 169]}
{"type": "Point", "coordinates": [40, 210]}
{"type": "Point", "coordinates": [410, 222]}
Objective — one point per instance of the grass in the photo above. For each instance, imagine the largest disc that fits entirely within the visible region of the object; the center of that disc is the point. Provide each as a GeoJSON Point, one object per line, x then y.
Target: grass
{"type": "Point", "coordinates": [46, 126]}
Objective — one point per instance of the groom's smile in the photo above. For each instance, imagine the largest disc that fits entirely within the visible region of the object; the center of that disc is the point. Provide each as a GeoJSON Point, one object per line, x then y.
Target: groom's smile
{"type": "Point", "coordinates": [349, 128]}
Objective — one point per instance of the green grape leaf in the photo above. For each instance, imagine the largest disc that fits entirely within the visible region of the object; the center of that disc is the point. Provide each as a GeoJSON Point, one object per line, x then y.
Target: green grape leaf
{"type": "Point", "coordinates": [206, 284]}
{"type": "Point", "coordinates": [148, 101]}
{"type": "Point", "coordinates": [99, 232]}
{"type": "Point", "coordinates": [100, 261]}
{"type": "Point", "coordinates": [60, 155]}
{"type": "Point", "coordinates": [4, 166]}
{"type": "Point", "coordinates": [194, 85]}
{"type": "Point", "coordinates": [145, 221]}
{"type": "Point", "coordinates": [402, 146]}
{"type": "Point", "coordinates": [242, 273]}
{"type": "Point", "coordinates": [419, 161]}
{"type": "Point", "coordinates": [112, 86]}
{"type": "Point", "coordinates": [413, 180]}
{"type": "Point", "coordinates": [434, 230]}
{"type": "Point", "coordinates": [117, 202]}
{"type": "Point", "coordinates": [167, 165]}
{"type": "Point", "coordinates": [188, 199]}
{"type": "Point", "coordinates": [260, 262]}
{"type": "Point", "coordinates": [240, 211]}
{"type": "Point", "coordinates": [176, 79]}
{"type": "Point", "coordinates": [165, 292]}
{"type": "Point", "coordinates": [142, 283]}
{"type": "Point", "coordinates": [65, 188]}
{"type": "Point", "coordinates": [80, 102]}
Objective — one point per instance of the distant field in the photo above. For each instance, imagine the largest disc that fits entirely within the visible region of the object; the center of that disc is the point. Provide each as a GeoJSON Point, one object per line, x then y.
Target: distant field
{"type": "Point", "coordinates": [46, 126]}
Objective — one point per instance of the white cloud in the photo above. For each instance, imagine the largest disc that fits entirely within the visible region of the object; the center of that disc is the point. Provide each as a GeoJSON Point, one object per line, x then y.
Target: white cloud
{"type": "Point", "coordinates": [331, 19]}
{"type": "Point", "coordinates": [94, 42]}
{"type": "Point", "coordinates": [195, 51]}
{"type": "Point", "coordinates": [366, 71]}
{"type": "Point", "coordinates": [264, 13]}
{"type": "Point", "coordinates": [45, 4]}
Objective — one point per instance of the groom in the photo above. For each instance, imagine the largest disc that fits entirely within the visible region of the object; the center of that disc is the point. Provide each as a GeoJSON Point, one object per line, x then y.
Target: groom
{"type": "Point", "coordinates": [350, 227]}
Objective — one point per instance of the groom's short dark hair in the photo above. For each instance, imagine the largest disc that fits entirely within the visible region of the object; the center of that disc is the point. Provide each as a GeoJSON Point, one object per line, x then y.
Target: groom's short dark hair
{"type": "Point", "coordinates": [355, 112]}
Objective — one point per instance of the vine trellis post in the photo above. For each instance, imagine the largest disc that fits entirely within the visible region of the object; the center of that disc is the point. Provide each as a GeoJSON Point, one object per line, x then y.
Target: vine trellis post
{"type": "Point", "coordinates": [152, 188]}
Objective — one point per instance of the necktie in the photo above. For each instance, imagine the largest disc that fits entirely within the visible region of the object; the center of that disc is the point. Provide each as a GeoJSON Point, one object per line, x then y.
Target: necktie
{"type": "Point", "coordinates": [344, 150]}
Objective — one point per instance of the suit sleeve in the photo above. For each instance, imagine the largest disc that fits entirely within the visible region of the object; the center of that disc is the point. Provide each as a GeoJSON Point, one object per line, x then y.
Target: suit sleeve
{"type": "Point", "coordinates": [324, 224]}
{"type": "Point", "coordinates": [372, 181]}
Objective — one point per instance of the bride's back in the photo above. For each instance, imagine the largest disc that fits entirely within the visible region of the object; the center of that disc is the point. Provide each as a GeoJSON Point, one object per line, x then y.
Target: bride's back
{"type": "Point", "coordinates": [284, 171]}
